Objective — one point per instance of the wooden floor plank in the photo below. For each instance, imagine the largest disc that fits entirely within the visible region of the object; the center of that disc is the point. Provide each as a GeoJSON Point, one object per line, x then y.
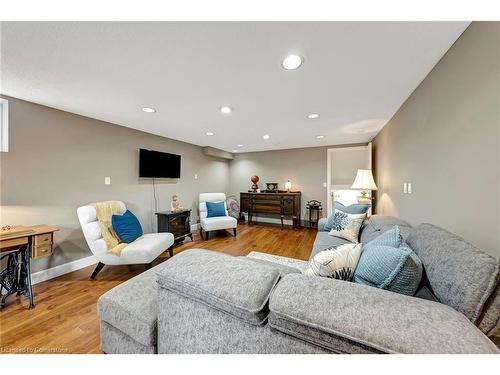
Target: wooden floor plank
{"type": "Point", "coordinates": [65, 317]}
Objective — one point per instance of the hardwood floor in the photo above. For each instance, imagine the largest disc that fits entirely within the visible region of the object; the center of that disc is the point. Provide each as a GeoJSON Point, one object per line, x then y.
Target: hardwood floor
{"type": "Point", "coordinates": [65, 317]}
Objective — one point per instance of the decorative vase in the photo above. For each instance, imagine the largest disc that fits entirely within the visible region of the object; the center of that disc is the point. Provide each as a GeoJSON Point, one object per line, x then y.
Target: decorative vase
{"type": "Point", "coordinates": [255, 180]}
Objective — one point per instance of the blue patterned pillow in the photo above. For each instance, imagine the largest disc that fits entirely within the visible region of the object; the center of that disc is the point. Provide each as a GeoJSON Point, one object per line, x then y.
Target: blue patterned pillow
{"type": "Point", "coordinates": [353, 209]}
{"type": "Point", "coordinates": [389, 263]}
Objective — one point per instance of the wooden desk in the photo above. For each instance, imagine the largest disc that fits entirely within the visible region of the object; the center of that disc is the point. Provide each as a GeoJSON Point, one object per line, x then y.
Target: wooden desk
{"type": "Point", "coordinates": [282, 203]}
{"type": "Point", "coordinates": [18, 245]}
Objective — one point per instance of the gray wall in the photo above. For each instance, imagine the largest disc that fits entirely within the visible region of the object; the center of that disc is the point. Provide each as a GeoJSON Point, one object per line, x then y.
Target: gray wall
{"type": "Point", "coordinates": [304, 167]}
{"type": "Point", "coordinates": [57, 162]}
{"type": "Point", "coordinates": [445, 140]}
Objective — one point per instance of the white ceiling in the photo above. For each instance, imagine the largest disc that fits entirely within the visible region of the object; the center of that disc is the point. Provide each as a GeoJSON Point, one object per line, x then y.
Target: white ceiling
{"type": "Point", "coordinates": [355, 75]}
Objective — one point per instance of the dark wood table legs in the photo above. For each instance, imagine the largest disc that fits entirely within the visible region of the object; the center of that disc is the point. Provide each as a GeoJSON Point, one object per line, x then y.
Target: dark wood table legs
{"type": "Point", "coordinates": [16, 277]}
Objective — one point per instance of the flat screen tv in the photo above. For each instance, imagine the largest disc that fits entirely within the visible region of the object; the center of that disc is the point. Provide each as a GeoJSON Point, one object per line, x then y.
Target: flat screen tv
{"type": "Point", "coordinates": [155, 164]}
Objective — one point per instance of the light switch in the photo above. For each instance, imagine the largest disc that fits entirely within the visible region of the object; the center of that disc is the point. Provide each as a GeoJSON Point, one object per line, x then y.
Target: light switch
{"type": "Point", "coordinates": [409, 187]}
{"type": "Point", "coordinates": [405, 188]}
{"type": "Point", "coordinates": [196, 176]}
{"type": "Point", "coordinates": [107, 180]}
{"type": "Point", "coordinates": [324, 184]}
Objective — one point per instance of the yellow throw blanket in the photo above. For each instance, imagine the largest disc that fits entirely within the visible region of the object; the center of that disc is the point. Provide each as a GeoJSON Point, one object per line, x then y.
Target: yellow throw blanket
{"type": "Point", "coordinates": [104, 211]}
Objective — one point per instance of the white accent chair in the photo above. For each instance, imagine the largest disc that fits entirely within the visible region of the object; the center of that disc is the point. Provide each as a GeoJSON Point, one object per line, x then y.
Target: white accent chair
{"type": "Point", "coordinates": [209, 224]}
{"type": "Point", "coordinates": [142, 251]}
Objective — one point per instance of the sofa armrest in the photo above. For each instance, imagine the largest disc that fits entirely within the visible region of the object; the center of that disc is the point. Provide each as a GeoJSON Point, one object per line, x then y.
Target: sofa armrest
{"type": "Point", "coordinates": [321, 224]}
{"type": "Point", "coordinates": [353, 318]}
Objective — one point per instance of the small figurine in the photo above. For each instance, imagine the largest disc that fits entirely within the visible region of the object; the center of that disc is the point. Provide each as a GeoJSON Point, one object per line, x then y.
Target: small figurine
{"type": "Point", "coordinates": [175, 205]}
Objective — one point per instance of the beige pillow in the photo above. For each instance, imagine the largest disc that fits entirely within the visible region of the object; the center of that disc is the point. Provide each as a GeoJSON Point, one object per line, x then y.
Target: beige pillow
{"type": "Point", "coordinates": [346, 225]}
{"type": "Point", "coordinates": [337, 263]}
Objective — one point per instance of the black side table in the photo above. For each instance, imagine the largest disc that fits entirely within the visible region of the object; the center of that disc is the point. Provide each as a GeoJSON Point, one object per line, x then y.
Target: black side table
{"type": "Point", "coordinates": [176, 222]}
{"type": "Point", "coordinates": [315, 209]}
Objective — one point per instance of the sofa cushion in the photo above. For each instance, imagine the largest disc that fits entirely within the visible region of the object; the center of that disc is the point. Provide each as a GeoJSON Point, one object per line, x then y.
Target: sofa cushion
{"type": "Point", "coordinates": [235, 285]}
{"type": "Point", "coordinates": [131, 307]}
{"type": "Point", "coordinates": [460, 275]}
{"type": "Point", "coordinates": [352, 318]}
{"type": "Point", "coordinates": [489, 322]}
{"type": "Point", "coordinates": [378, 224]}
{"type": "Point", "coordinates": [425, 293]}
{"type": "Point", "coordinates": [325, 241]}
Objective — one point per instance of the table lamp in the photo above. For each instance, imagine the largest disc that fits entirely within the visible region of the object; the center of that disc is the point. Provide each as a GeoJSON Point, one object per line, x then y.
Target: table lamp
{"type": "Point", "coordinates": [364, 181]}
{"type": "Point", "coordinates": [288, 185]}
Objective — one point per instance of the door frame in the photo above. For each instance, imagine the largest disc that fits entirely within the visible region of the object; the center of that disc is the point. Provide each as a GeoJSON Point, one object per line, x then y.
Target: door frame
{"type": "Point", "coordinates": [329, 154]}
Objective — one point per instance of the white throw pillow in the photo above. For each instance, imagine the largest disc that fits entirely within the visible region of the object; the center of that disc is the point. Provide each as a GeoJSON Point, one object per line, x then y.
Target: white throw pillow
{"type": "Point", "coordinates": [337, 263]}
{"type": "Point", "coordinates": [346, 225]}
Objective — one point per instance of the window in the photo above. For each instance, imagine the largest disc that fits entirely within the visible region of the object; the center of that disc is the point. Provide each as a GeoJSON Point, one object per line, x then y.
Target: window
{"type": "Point", "coordinates": [4, 125]}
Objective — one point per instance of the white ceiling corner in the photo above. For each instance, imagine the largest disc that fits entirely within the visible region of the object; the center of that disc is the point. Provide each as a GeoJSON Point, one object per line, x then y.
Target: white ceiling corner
{"type": "Point", "coordinates": [355, 75]}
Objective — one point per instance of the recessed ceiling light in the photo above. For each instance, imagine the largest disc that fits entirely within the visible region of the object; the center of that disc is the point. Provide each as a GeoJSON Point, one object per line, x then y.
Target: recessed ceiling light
{"type": "Point", "coordinates": [148, 110]}
{"type": "Point", "coordinates": [313, 115]}
{"type": "Point", "coordinates": [210, 133]}
{"type": "Point", "coordinates": [291, 62]}
{"type": "Point", "coordinates": [320, 136]}
{"type": "Point", "coordinates": [235, 150]}
{"type": "Point", "coordinates": [240, 145]}
{"type": "Point", "coordinates": [225, 109]}
{"type": "Point", "coordinates": [266, 136]}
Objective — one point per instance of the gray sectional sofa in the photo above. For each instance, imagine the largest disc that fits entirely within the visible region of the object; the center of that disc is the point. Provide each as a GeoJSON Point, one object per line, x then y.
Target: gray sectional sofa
{"type": "Point", "coordinates": [202, 301]}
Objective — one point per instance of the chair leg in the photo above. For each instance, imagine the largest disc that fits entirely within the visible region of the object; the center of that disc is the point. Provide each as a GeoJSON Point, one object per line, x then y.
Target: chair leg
{"type": "Point", "coordinates": [171, 251]}
{"type": "Point", "coordinates": [234, 231]}
{"type": "Point", "coordinates": [201, 234]}
{"type": "Point", "coordinates": [97, 269]}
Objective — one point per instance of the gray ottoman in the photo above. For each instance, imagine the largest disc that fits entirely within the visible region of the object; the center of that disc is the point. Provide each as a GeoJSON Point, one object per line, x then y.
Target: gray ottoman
{"type": "Point", "coordinates": [129, 312]}
{"type": "Point", "coordinates": [128, 315]}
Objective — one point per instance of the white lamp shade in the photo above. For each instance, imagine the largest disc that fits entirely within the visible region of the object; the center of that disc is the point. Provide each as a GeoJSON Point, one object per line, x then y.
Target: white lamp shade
{"type": "Point", "coordinates": [364, 180]}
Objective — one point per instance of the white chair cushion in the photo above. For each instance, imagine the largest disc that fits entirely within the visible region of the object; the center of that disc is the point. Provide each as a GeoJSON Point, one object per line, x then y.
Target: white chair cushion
{"type": "Point", "coordinates": [147, 248]}
{"type": "Point", "coordinates": [218, 223]}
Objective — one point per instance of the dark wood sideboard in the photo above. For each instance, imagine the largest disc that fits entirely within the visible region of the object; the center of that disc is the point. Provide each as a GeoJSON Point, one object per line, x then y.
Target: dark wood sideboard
{"type": "Point", "coordinates": [284, 204]}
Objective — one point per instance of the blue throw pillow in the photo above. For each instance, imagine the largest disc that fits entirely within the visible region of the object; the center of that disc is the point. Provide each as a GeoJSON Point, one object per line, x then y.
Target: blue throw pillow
{"type": "Point", "coordinates": [215, 209]}
{"type": "Point", "coordinates": [353, 209]}
{"type": "Point", "coordinates": [389, 263]}
{"type": "Point", "coordinates": [126, 227]}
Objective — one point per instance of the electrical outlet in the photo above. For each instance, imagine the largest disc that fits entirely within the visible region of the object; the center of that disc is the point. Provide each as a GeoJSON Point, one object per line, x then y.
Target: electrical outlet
{"type": "Point", "coordinates": [196, 176]}
{"type": "Point", "coordinates": [409, 187]}
{"type": "Point", "coordinates": [405, 188]}
{"type": "Point", "coordinates": [107, 180]}
{"type": "Point", "coordinates": [324, 184]}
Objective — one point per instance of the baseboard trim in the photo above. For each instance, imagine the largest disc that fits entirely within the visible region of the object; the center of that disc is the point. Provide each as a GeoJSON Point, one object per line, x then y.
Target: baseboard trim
{"type": "Point", "coordinates": [62, 269]}
{"type": "Point", "coordinates": [270, 220]}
